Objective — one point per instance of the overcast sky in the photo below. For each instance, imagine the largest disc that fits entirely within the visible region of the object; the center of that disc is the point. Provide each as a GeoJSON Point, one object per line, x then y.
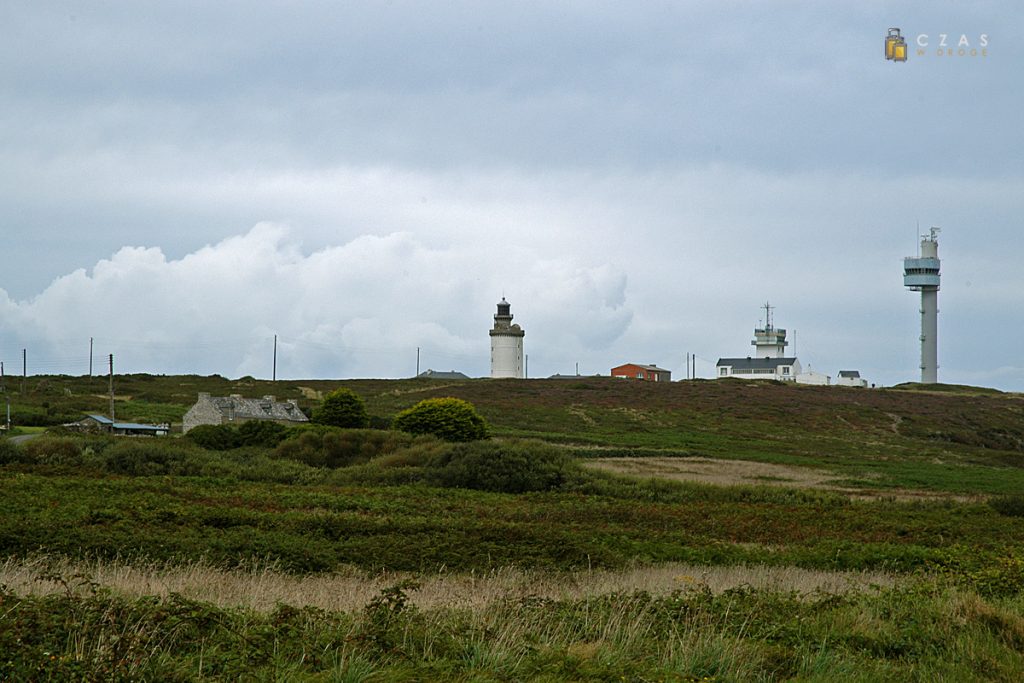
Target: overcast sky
{"type": "Point", "coordinates": [182, 181]}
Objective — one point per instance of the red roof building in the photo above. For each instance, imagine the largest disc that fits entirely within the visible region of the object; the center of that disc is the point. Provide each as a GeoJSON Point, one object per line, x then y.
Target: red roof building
{"type": "Point", "coordinates": [648, 373]}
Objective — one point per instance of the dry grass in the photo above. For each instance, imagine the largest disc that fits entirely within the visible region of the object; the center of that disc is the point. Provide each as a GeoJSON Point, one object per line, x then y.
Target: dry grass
{"type": "Point", "coordinates": [721, 472]}
{"type": "Point", "coordinates": [718, 472]}
{"type": "Point", "coordinates": [311, 393]}
{"type": "Point", "coordinates": [262, 586]}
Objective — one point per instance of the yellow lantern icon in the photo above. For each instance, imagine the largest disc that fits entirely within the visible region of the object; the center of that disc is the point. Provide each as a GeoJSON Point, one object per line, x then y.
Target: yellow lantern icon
{"type": "Point", "coordinates": [895, 46]}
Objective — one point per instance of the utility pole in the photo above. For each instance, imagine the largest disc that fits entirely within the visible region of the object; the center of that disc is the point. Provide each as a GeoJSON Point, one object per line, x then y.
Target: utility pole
{"type": "Point", "coordinates": [90, 356]}
{"type": "Point", "coordinates": [7, 397]}
{"type": "Point", "coordinates": [275, 359]}
{"type": "Point", "coordinates": [111, 389]}
{"type": "Point", "coordinates": [687, 365]}
{"type": "Point", "coordinates": [527, 372]}
{"type": "Point", "coordinates": [24, 369]}
{"type": "Point", "coordinates": [417, 361]}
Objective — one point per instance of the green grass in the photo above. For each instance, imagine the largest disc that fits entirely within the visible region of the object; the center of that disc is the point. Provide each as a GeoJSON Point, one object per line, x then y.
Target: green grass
{"type": "Point", "coordinates": [958, 613]}
{"type": "Point", "coordinates": [921, 632]}
{"type": "Point", "coordinates": [607, 522]}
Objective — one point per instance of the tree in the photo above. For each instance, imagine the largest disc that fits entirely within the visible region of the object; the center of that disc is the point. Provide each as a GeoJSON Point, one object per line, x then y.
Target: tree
{"type": "Point", "coordinates": [342, 408]}
{"type": "Point", "coordinates": [451, 419]}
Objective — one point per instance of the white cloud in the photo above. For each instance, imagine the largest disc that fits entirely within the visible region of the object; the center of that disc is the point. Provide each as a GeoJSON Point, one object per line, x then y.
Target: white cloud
{"type": "Point", "coordinates": [356, 309]}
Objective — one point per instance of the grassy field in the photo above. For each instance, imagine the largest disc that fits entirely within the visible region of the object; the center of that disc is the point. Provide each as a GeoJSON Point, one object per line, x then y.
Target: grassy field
{"type": "Point", "coordinates": [884, 539]}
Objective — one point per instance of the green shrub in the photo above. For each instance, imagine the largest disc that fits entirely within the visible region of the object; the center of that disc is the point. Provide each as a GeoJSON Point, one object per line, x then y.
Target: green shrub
{"type": "Point", "coordinates": [261, 433]}
{"type": "Point", "coordinates": [215, 437]}
{"type": "Point", "coordinates": [342, 408]}
{"type": "Point", "coordinates": [138, 457]}
{"type": "Point", "coordinates": [451, 419]}
{"type": "Point", "coordinates": [1009, 506]}
{"type": "Point", "coordinates": [265, 433]}
{"type": "Point", "coordinates": [11, 453]}
{"type": "Point", "coordinates": [378, 422]}
{"type": "Point", "coordinates": [53, 451]}
{"type": "Point", "coordinates": [505, 467]}
{"type": "Point", "coordinates": [335, 448]}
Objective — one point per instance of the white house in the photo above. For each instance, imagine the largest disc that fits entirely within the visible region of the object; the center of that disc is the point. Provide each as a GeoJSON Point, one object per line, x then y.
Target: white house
{"type": "Point", "coordinates": [810, 376]}
{"type": "Point", "coordinates": [850, 378]}
{"type": "Point", "coordinates": [784, 369]}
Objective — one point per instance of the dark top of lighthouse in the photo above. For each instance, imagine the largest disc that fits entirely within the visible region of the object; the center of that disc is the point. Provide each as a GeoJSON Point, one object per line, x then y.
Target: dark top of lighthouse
{"type": "Point", "coordinates": [503, 321]}
{"type": "Point", "coordinates": [504, 309]}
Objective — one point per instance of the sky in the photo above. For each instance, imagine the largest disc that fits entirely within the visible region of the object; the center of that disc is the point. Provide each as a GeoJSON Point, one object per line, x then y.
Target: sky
{"type": "Point", "coordinates": [180, 182]}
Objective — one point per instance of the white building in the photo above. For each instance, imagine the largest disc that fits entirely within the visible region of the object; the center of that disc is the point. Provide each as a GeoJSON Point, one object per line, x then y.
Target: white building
{"type": "Point", "coordinates": [506, 344]}
{"type": "Point", "coordinates": [850, 378]}
{"type": "Point", "coordinates": [769, 360]}
{"type": "Point", "coordinates": [783, 369]}
{"type": "Point", "coordinates": [810, 376]}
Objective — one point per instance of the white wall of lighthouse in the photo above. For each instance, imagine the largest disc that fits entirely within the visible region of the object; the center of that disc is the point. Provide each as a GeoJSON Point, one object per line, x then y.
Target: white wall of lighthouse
{"type": "Point", "coordinates": [506, 344]}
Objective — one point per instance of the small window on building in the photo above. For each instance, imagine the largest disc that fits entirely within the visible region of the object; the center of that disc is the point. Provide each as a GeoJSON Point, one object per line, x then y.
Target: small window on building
{"type": "Point", "coordinates": [785, 369]}
{"type": "Point", "coordinates": [640, 375]}
{"type": "Point", "coordinates": [723, 371]}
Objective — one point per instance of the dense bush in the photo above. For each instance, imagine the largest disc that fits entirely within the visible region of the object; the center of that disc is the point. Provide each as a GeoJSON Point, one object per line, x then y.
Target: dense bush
{"type": "Point", "coordinates": [9, 452]}
{"type": "Point", "coordinates": [451, 419]}
{"type": "Point", "coordinates": [335, 448]}
{"type": "Point", "coordinates": [215, 437]}
{"type": "Point", "coordinates": [342, 408]}
{"type": "Point", "coordinates": [137, 457]}
{"type": "Point", "coordinates": [506, 467]}
{"type": "Point", "coordinates": [1010, 505]}
{"type": "Point", "coordinates": [263, 433]}
{"type": "Point", "coordinates": [53, 451]}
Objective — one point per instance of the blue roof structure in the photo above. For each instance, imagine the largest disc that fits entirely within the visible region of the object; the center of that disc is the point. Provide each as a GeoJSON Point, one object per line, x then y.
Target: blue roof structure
{"type": "Point", "coordinates": [135, 426]}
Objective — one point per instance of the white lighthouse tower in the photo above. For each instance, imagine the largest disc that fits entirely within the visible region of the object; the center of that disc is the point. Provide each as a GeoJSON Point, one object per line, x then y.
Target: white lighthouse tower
{"type": "Point", "coordinates": [921, 274]}
{"type": "Point", "coordinates": [506, 344]}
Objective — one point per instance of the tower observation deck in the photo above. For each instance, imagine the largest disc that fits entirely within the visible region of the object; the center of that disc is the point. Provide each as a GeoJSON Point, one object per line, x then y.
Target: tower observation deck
{"type": "Point", "coordinates": [769, 341]}
{"type": "Point", "coordinates": [921, 274]}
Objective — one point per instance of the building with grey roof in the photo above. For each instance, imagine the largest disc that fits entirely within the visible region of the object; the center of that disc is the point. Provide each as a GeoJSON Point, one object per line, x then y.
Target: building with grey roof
{"type": "Point", "coordinates": [785, 369]}
{"type": "Point", "coordinates": [851, 378]}
{"type": "Point", "coordinates": [235, 409]}
{"type": "Point", "coordinates": [441, 374]}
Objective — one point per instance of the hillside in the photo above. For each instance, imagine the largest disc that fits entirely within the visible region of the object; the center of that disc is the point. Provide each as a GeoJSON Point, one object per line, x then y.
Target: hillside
{"type": "Point", "coordinates": [914, 436]}
{"type": "Point", "coordinates": [326, 557]}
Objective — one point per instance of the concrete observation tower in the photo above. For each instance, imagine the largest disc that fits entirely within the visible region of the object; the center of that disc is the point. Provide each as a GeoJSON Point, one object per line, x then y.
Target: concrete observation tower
{"type": "Point", "coordinates": [506, 344]}
{"type": "Point", "coordinates": [770, 341]}
{"type": "Point", "coordinates": [921, 274]}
